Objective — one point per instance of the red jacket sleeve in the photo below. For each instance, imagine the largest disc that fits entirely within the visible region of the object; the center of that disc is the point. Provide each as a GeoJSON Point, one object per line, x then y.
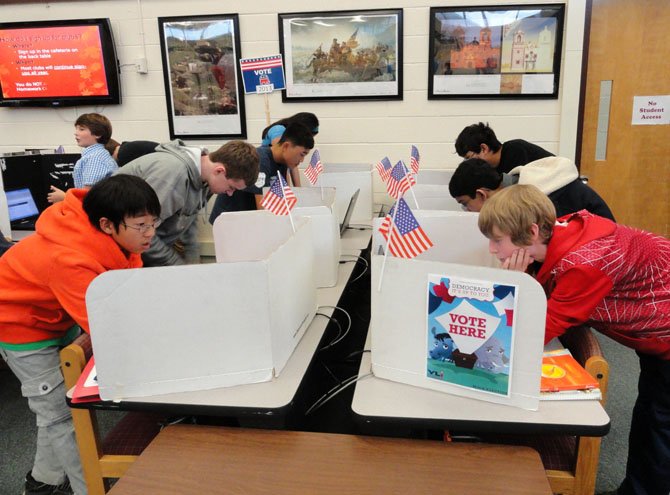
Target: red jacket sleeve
{"type": "Point", "coordinates": [574, 297]}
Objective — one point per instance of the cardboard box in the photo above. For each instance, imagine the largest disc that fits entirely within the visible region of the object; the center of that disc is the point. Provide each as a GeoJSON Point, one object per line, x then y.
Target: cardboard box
{"type": "Point", "coordinates": [346, 178]}
{"type": "Point", "coordinates": [197, 327]}
{"type": "Point", "coordinates": [455, 236]}
{"type": "Point", "coordinates": [401, 349]}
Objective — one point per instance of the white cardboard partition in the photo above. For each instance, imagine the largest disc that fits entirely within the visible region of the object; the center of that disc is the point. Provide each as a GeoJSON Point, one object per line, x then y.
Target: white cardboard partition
{"type": "Point", "coordinates": [319, 205]}
{"type": "Point", "coordinates": [455, 236]}
{"type": "Point", "coordinates": [399, 327]}
{"type": "Point", "coordinates": [346, 178]}
{"type": "Point", "coordinates": [432, 197]}
{"type": "Point", "coordinates": [434, 176]}
{"type": "Point", "coordinates": [197, 327]}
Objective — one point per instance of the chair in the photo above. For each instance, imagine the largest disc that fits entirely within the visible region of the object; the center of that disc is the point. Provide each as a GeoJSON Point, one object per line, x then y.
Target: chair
{"type": "Point", "coordinates": [571, 462]}
{"type": "Point", "coordinates": [110, 457]}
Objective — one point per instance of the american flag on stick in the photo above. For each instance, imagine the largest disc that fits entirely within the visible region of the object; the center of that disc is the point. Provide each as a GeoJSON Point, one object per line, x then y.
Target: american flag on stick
{"type": "Point", "coordinates": [414, 160]}
{"type": "Point", "coordinates": [384, 168]}
{"type": "Point", "coordinates": [404, 235]}
{"type": "Point", "coordinates": [399, 181]}
{"type": "Point", "coordinates": [314, 168]}
{"type": "Point", "coordinates": [280, 198]}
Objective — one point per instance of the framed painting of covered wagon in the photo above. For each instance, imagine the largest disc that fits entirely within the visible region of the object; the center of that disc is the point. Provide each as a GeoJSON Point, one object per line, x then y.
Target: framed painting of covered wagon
{"type": "Point", "coordinates": [344, 55]}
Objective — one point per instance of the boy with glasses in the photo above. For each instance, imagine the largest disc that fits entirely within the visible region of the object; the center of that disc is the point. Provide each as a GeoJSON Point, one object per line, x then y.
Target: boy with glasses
{"type": "Point", "coordinates": [43, 283]}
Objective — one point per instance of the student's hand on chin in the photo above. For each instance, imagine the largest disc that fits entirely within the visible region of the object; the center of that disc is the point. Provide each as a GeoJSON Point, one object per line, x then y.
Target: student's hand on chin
{"type": "Point", "coordinates": [518, 261]}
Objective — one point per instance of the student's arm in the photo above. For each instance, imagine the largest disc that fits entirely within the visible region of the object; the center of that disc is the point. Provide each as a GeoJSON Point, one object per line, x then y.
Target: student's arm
{"type": "Point", "coordinates": [295, 176]}
{"type": "Point", "coordinates": [258, 198]}
{"type": "Point", "coordinates": [55, 195]}
{"type": "Point", "coordinates": [574, 297]}
{"type": "Point", "coordinates": [189, 240]}
{"type": "Point", "coordinates": [69, 281]}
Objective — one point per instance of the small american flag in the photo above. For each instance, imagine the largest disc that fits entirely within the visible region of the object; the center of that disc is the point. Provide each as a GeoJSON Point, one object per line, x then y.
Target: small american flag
{"type": "Point", "coordinates": [407, 238]}
{"type": "Point", "coordinates": [399, 181]}
{"type": "Point", "coordinates": [384, 168]}
{"type": "Point", "coordinates": [414, 160]}
{"type": "Point", "coordinates": [314, 168]}
{"type": "Point", "coordinates": [280, 198]}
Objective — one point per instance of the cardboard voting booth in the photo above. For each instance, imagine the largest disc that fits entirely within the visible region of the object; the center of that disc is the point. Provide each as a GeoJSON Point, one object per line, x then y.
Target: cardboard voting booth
{"type": "Point", "coordinates": [434, 176]}
{"type": "Point", "coordinates": [433, 197]}
{"type": "Point", "coordinates": [455, 235]}
{"type": "Point", "coordinates": [197, 327]}
{"type": "Point", "coordinates": [319, 205]}
{"type": "Point", "coordinates": [472, 331]}
{"type": "Point", "coordinates": [346, 178]}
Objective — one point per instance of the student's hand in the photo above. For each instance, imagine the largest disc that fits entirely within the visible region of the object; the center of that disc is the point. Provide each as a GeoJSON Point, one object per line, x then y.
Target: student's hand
{"type": "Point", "coordinates": [55, 195]}
{"type": "Point", "coordinates": [518, 261]}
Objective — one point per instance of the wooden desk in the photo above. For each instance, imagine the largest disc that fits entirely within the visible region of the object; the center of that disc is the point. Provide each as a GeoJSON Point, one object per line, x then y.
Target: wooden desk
{"type": "Point", "coordinates": [383, 403]}
{"type": "Point", "coordinates": [186, 459]}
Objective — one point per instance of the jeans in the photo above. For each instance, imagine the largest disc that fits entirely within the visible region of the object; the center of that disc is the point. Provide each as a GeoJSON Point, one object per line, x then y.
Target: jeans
{"type": "Point", "coordinates": [648, 467]}
{"type": "Point", "coordinates": [42, 384]}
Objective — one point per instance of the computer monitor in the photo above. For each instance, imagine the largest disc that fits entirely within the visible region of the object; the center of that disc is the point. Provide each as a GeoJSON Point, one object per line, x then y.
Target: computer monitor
{"type": "Point", "coordinates": [347, 216]}
{"type": "Point", "coordinates": [21, 205]}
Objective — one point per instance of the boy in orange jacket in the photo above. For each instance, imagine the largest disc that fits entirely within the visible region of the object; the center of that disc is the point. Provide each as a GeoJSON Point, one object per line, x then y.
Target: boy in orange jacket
{"type": "Point", "coordinates": [43, 283]}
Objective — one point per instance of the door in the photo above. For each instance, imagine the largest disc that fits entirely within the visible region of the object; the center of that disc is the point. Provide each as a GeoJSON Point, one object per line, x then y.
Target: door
{"type": "Point", "coordinates": [629, 45]}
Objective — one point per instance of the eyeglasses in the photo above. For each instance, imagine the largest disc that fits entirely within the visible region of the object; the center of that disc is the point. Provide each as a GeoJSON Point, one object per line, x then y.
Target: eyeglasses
{"type": "Point", "coordinates": [143, 228]}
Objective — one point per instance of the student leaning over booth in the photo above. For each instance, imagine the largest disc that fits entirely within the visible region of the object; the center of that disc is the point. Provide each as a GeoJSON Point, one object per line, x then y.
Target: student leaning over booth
{"type": "Point", "coordinates": [479, 141]}
{"type": "Point", "coordinates": [92, 131]}
{"type": "Point", "coordinates": [474, 181]}
{"type": "Point", "coordinates": [43, 283]}
{"type": "Point", "coordinates": [611, 277]}
{"type": "Point", "coordinates": [184, 178]}
{"type": "Point", "coordinates": [280, 157]}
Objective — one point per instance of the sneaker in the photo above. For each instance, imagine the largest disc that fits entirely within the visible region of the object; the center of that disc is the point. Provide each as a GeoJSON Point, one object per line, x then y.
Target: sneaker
{"type": "Point", "coordinates": [34, 487]}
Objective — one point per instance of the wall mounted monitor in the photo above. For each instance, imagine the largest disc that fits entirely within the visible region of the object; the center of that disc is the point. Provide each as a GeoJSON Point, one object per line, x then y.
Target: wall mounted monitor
{"type": "Point", "coordinates": [58, 63]}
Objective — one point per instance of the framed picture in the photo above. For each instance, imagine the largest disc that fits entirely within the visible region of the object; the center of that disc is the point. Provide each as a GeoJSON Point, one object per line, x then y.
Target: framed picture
{"type": "Point", "coordinates": [347, 55]}
{"type": "Point", "coordinates": [495, 51]}
{"type": "Point", "coordinates": [202, 77]}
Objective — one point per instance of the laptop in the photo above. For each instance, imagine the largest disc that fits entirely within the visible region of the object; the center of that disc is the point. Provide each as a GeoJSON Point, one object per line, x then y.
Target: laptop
{"type": "Point", "coordinates": [22, 209]}
{"type": "Point", "coordinates": [347, 216]}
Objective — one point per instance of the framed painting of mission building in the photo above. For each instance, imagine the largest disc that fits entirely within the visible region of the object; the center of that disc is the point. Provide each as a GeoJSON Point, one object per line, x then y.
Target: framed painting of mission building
{"type": "Point", "coordinates": [495, 51]}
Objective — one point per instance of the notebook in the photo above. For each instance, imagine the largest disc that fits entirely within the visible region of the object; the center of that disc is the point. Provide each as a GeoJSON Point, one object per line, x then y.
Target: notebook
{"type": "Point", "coordinates": [22, 209]}
{"type": "Point", "coordinates": [347, 216]}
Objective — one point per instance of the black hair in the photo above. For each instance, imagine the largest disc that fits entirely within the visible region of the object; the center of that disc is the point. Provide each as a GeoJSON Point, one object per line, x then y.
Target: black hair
{"type": "Point", "coordinates": [120, 196]}
{"type": "Point", "coordinates": [471, 175]}
{"type": "Point", "coordinates": [298, 135]}
{"type": "Point", "coordinates": [307, 119]}
{"type": "Point", "coordinates": [473, 136]}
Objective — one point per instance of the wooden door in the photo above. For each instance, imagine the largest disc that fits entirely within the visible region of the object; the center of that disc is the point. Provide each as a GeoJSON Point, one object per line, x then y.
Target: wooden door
{"type": "Point", "coordinates": [629, 45]}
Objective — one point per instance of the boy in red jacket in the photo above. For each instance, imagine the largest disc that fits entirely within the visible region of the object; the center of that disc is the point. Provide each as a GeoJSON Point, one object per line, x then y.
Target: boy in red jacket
{"type": "Point", "coordinates": [611, 277]}
{"type": "Point", "coordinates": [43, 282]}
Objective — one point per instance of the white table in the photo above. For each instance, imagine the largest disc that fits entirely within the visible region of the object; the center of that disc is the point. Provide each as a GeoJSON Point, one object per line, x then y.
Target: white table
{"type": "Point", "coordinates": [380, 402]}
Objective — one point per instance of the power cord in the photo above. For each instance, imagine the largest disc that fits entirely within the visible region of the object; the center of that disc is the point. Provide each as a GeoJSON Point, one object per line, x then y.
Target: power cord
{"type": "Point", "coordinates": [334, 391]}
{"type": "Point", "coordinates": [340, 334]}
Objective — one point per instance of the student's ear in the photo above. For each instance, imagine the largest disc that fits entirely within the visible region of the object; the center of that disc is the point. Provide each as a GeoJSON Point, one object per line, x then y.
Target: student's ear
{"type": "Point", "coordinates": [484, 193]}
{"type": "Point", "coordinates": [534, 232]}
{"type": "Point", "coordinates": [484, 148]}
{"type": "Point", "coordinates": [106, 225]}
{"type": "Point", "coordinates": [220, 169]}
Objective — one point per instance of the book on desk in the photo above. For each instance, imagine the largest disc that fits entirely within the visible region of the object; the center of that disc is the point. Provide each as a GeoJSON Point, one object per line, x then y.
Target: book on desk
{"type": "Point", "coordinates": [563, 378]}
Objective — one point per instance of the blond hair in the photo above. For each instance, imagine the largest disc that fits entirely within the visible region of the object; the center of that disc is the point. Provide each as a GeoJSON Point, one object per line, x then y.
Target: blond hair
{"type": "Point", "coordinates": [514, 210]}
{"type": "Point", "coordinates": [240, 159]}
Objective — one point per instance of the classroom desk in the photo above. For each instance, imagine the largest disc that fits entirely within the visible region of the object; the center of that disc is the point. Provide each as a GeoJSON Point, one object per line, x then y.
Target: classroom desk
{"type": "Point", "coordinates": [190, 460]}
{"type": "Point", "coordinates": [265, 403]}
{"type": "Point", "coordinates": [380, 403]}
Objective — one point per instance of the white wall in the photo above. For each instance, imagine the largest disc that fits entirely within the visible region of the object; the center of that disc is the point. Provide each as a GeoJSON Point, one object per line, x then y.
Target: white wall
{"type": "Point", "coordinates": [349, 132]}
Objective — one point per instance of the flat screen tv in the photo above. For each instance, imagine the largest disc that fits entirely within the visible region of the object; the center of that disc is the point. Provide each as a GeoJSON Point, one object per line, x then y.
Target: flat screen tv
{"type": "Point", "coordinates": [58, 63]}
